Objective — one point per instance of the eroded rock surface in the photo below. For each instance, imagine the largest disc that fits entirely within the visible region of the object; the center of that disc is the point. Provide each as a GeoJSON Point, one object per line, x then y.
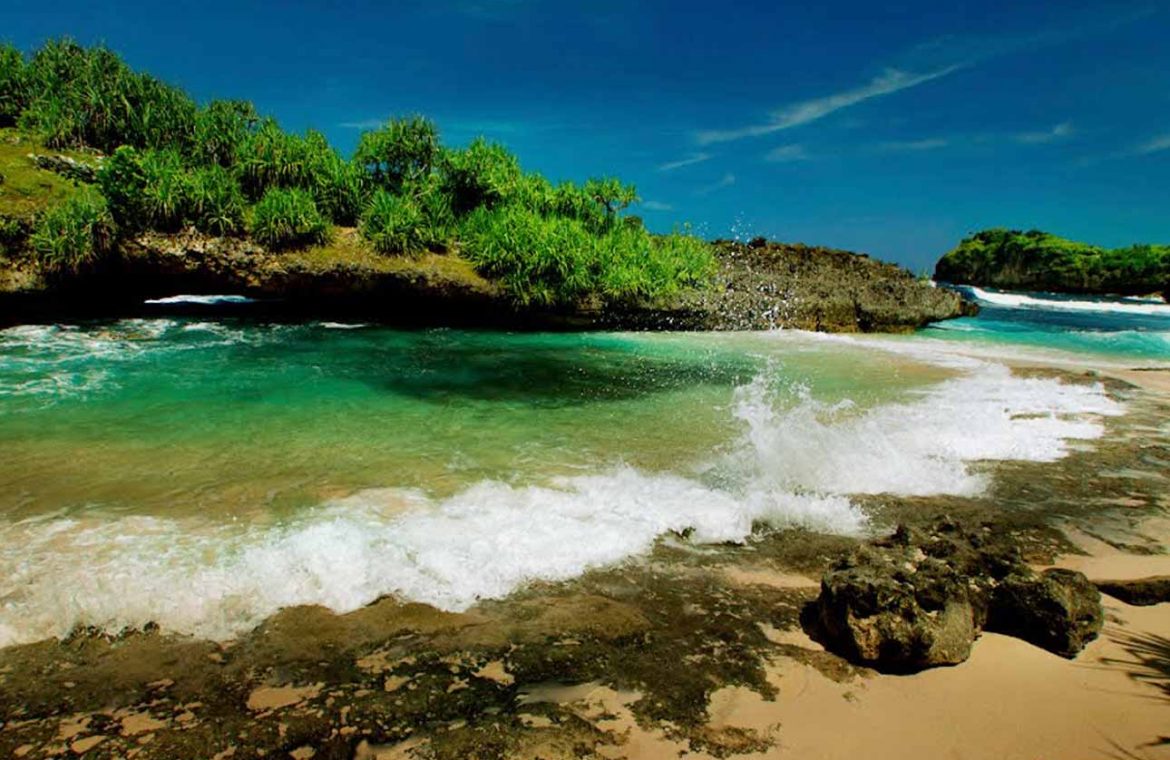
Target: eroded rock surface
{"type": "Point", "coordinates": [920, 599]}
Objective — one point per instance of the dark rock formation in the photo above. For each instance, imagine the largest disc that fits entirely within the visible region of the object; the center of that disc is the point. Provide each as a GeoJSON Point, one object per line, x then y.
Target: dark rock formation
{"type": "Point", "coordinates": [920, 599]}
{"type": "Point", "coordinates": [885, 609]}
{"type": "Point", "coordinates": [764, 286]}
{"type": "Point", "coordinates": [1059, 610]}
{"type": "Point", "coordinates": [1141, 592]}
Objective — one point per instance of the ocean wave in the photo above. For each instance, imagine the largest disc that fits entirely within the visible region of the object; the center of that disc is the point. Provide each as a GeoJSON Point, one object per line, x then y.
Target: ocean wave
{"type": "Point", "coordinates": [201, 300]}
{"type": "Point", "coordinates": [58, 362]}
{"type": "Point", "coordinates": [1139, 306]}
{"type": "Point", "coordinates": [797, 464]}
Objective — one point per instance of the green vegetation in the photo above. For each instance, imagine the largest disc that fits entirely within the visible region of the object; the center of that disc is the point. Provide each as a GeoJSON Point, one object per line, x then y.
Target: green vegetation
{"type": "Point", "coordinates": [171, 163]}
{"type": "Point", "coordinates": [75, 234]}
{"type": "Point", "coordinates": [288, 218]}
{"type": "Point", "coordinates": [1036, 260]}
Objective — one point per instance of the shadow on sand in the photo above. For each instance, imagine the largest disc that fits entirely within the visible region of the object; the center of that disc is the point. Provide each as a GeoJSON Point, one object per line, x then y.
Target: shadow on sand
{"type": "Point", "coordinates": [1148, 663]}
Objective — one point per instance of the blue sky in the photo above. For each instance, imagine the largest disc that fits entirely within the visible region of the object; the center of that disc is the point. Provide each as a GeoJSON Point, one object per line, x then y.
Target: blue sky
{"type": "Point", "coordinates": [892, 128]}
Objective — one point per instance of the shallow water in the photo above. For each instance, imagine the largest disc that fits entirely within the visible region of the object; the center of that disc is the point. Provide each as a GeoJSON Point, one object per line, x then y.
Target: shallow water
{"type": "Point", "coordinates": [203, 475]}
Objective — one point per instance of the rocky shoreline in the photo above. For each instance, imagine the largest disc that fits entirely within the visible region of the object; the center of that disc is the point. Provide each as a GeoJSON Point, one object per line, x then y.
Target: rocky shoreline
{"type": "Point", "coordinates": [758, 286]}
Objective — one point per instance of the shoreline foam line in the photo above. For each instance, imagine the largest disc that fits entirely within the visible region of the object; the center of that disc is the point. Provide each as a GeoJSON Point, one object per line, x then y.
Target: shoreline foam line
{"type": "Point", "coordinates": [795, 465]}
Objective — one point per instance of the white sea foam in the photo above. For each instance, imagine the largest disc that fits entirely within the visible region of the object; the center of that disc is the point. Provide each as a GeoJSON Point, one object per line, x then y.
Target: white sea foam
{"type": "Point", "coordinates": [797, 463]}
{"type": "Point", "coordinates": [1140, 306]}
{"type": "Point", "coordinates": [343, 325]}
{"type": "Point", "coordinates": [203, 300]}
{"type": "Point", "coordinates": [65, 361]}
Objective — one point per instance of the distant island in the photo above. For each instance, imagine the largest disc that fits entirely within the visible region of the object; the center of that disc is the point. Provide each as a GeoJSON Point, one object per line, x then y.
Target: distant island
{"type": "Point", "coordinates": [116, 187]}
{"type": "Point", "coordinates": [1035, 260]}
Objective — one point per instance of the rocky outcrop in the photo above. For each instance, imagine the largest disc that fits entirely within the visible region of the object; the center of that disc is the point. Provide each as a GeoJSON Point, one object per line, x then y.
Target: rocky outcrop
{"type": "Point", "coordinates": [1058, 610]}
{"type": "Point", "coordinates": [919, 599]}
{"type": "Point", "coordinates": [69, 168]}
{"type": "Point", "coordinates": [763, 285]}
{"type": "Point", "coordinates": [758, 286]}
{"type": "Point", "coordinates": [1140, 592]}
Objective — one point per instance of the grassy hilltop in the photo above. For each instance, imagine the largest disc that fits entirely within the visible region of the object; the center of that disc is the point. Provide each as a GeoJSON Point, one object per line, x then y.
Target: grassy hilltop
{"type": "Point", "coordinates": [1036, 260]}
{"type": "Point", "coordinates": [151, 159]}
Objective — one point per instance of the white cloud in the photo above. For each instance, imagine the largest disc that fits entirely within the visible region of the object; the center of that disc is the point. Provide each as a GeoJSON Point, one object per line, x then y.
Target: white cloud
{"type": "Point", "coordinates": [1156, 145]}
{"type": "Point", "coordinates": [804, 112]}
{"type": "Point", "coordinates": [727, 180]}
{"type": "Point", "coordinates": [692, 159]}
{"type": "Point", "coordinates": [1059, 132]}
{"type": "Point", "coordinates": [787, 154]}
{"type": "Point", "coordinates": [657, 206]}
{"type": "Point", "coordinates": [910, 146]}
{"type": "Point", "coordinates": [363, 124]}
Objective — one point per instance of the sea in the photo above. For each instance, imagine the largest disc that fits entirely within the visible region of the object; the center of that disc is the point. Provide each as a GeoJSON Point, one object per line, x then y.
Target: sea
{"type": "Point", "coordinates": [202, 472]}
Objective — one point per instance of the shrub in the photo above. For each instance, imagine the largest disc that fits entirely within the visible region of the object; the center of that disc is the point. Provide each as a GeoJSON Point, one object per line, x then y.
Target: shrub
{"type": "Point", "coordinates": [75, 234]}
{"type": "Point", "coordinates": [79, 96]}
{"type": "Point", "coordinates": [216, 201]}
{"type": "Point", "coordinates": [540, 260]}
{"type": "Point", "coordinates": [634, 265]}
{"type": "Point", "coordinates": [123, 183]}
{"type": "Point", "coordinates": [287, 218]}
{"type": "Point", "coordinates": [270, 158]}
{"type": "Point", "coordinates": [13, 85]}
{"type": "Point", "coordinates": [340, 188]}
{"type": "Point", "coordinates": [552, 260]}
{"type": "Point", "coordinates": [482, 174]}
{"type": "Point", "coordinates": [401, 151]}
{"type": "Point", "coordinates": [166, 197]}
{"type": "Point", "coordinates": [220, 129]}
{"type": "Point", "coordinates": [396, 224]}
{"type": "Point", "coordinates": [573, 201]}
{"type": "Point", "coordinates": [611, 195]}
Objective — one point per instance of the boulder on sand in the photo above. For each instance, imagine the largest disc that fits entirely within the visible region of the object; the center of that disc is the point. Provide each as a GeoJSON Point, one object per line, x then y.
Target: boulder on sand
{"type": "Point", "coordinates": [920, 599]}
{"type": "Point", "coordinates": [1059, 610]}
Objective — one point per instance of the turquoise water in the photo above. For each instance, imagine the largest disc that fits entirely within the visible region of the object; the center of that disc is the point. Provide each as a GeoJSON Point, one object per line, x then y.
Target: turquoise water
{"type": "Point", "coordinates": [1121, 328]}
{"type": "Point", "coordinates": [204, 474]}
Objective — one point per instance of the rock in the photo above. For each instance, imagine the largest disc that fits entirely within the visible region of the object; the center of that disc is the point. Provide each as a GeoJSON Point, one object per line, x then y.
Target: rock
{"type": "Point", "coordinates": [1141, 592]}
{"type": "Point", "coordinates": [920, 598]}
{"type": "Point", "coordinates": [763, 285]}
{"type": "Point", "coordinates": [883, 610]}
{"type": "Point", "coordinates": [1059, 610]}
{"type": "Point", "coordinates": [67, 167]}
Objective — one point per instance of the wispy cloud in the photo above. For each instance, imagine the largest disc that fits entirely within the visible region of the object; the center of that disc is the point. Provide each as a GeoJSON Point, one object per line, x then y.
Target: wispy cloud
{"type": "Point", "coordinates": [363, 124]}
{"type": "Point", "coordinates": [691, 160]}
{"type": "Point", "coordinates": [913, 146]}
{"type": "Point", "coordinates": [804, 112]}
{"type": "Point", "coordinates": [727, 180]}
{"type": "Point", "coordinates": [1059, 132]}
{"type": "Point", "coordinates": [787, 154]}
{"type": "Point", "coordinates": [657, 206]}
{"type": "Point", "coordinates": [1156, 145]}
{"type": "Point", "coordinates": [931, 60]}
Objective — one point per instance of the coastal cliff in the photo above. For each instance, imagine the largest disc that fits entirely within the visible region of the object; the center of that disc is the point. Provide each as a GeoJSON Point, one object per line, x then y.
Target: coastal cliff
{"type": "Point", "coordinates": [1035, 260]}
{"type": "Point", "coordinates": [760, 285]}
